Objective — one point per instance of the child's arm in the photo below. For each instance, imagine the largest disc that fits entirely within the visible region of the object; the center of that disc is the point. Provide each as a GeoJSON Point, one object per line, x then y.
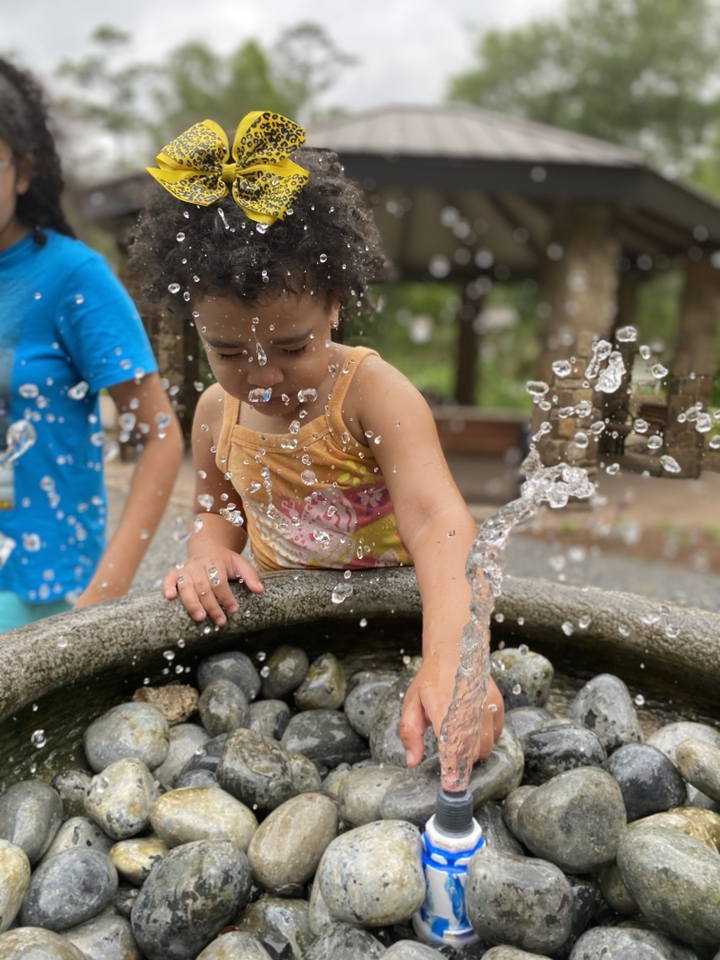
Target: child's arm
{"type": "Point", "coordinates": [152, 482]}
{"type": "Point", "coordinates": [437, 529]}
{"type": "Point", "coordinates": [213, 550]}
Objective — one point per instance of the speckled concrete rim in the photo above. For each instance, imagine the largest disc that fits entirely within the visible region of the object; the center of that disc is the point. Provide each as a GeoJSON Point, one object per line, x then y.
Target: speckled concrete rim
{"type": "Point", "coordinates": [678, 642]}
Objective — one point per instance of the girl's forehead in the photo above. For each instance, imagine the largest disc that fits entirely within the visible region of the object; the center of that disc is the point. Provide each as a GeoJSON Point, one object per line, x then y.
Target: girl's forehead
{"type": "Point", "coordinates": [284, 311]}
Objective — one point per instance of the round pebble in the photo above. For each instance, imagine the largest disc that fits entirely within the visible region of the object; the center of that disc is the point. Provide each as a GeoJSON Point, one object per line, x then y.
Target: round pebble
{"type": "Point", "coordinates": [79, 832]}
{"type": "Point", "coordinates": [627, 943]}
{"type": "Point", "coordinates": [14, 881]}
{"type": "Point", "coordinates": [135, 858]}
{"type": "Point", "coordinates": [105, 938]}
{"type": "Point", "coordinates": [30, 816]}
{"type": "Point", "coordinates": [72, 787]}
{"type": "Point", "coordinates": [235, 945]}
{"type": "Point", "coordinates": [255, 770]}
{"type": "Point", "coordinates": [522, 676]}
{"type": "Point", "coordinates": [68, 889]}
{"type": "Point", "coordinates": [648, 780]}
{"type": "Point", "coordinates": [185, 740]}
{"type": "Point", "coordinates": [234, 666]}
{"type": "Point", "coordinates": [522, 720]}
{"type": "Point", "coordinates": [557, 746]}
{"type": "Point", "coordinates": [365, 691]}
{"type": "Point", "coordinates": [286, 668]}
{"type": "Point", "coordinates": [385, 743]}
{"type": "Point", "coordinates": [341, 941]}
{"type": "Point", "coordinates": [129, 730]}
{"type": "Point", "coordinates": [325, 737]}
{"type": "Point", "coordinates": [177, 702]}
{"type": "Point", "coordinates": [120, 798]}
{"type": "Point", "coordinates": [223, 707]}
{"type": "Point", "coordinates": [202, 813]}
{"type": "Point", "coordinates": [412, 950]}
{"type": "Point", "coordinates": [324, 685]}
{"type": "Point", "coordinates": [32, 943]}
{"type": "Point", "coordinates": [305, 775]}
{"type": "Point", "coordinates": [604, 705]}
{"type": "Point", "coordinates": [269, 717]}
{"type": "Point", "coordinates": [362, 791]}
{"type": "Point", "coordinates": [279, 920]}
{"type": "Point", "coordinates": [699, 763]}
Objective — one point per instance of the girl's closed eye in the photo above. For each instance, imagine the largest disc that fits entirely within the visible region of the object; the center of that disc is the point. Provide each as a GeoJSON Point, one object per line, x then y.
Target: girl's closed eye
{"type": "Point", "coordinates": [298, 350]}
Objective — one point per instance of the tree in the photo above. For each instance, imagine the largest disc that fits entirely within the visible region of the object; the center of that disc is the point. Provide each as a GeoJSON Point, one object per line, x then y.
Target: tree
{"type": "Point", "coordinates": [643, 73]}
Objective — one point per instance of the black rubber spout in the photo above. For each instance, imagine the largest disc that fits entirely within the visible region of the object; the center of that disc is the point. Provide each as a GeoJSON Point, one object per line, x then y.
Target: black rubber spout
{"type": "Point", "coordinates": [454, 812]}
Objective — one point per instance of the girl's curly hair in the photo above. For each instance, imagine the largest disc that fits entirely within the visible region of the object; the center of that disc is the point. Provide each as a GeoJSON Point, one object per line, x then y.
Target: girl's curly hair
{"type": "Point", "coordinates": [24, 126]}
{"type": "Point", "coordinates": [327, 245]}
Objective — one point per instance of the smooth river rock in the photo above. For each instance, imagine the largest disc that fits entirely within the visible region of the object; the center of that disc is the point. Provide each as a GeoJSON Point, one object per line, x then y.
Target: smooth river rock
{"type": "Point", "coordinates": [574, 820]}
{"type": "Point", "coordinates": [195, 891]}
{"type": "Point", "coordinates": [495, 833]}
{"type": "Point", "coordinates": [324, 685]}
{"type": "Point", "coordinates": [518, 901]}
{"type": "Point", "coordinates": [604, 705]}
{"type": "Point", "coordinates": [385, 743]}
{"type": "Point", "coordinates": [325, 737]}
{"type": "Point", "coordinates": [365, 691]}
{"type": "Point", "coordinates": [305, 775]}
{"type": "Point", "coordinates": [269, 717]}
{"type": "Point", "coordinates": [135, 858]}
{"type": "Point", "coordinates": [649, 781]}
{"type": "Point", "coordinates": [34, 943]}
{"type": "Point", "coordinates": [234, 666]}
{"type": "Point", "coordinates": [373, 875]}
{"type": "Point", "coordinates": [287, 846]}
{"type": "Point", "coordinates": [278, 921]}
{"type": "Point", "coordinates": [223, 707]}
{"type": "Point", "coordinates": [14, 881]}
{"type": "Point", "coordinates": [286, 668]}
{"type": "Point", "coordinates": [675, 880]}
{"type": "Point", "coordinates": [669, 737]}
{"type": "Point", "coordinates": [522, 720]}
{"type": "Point", "coordinates": [557, 746]}
{"type": "Point", "coordinates": [68, 889]}
{"type": "Point", "coordinates": [177, 702]}
{"type": "Point", "coordinates": [79, 832]}
{"type": "Point", "coordinates": [411, 950]}
{"type": "Point", "coordinates": [255, 769]}
{"type": "Point", "coordinates": [129, 730]}
{"type": "Point", "coordinates": [699, 763]}
{"type": "Point", "coordinates": [30, 815]}
{"type": "Point", "coordinates": [120, 798]}
{"type": "Point", "coordinates": [362, 791]}
{"type": "Point", "coordinates": [341, 941]}
{"type": "Point", "coordinates": [523, 677]}
{"type": "Point", "coordinates": [72, 787]}
{"type": "Point", "coordinates": [235, 945]}
{"type": "Point", "coordinates": [105, 938]}
{"type": "Point", "coordinates": [627, 943]}
{"type": "Point", "coordinates": [202, 813]}
{"type": "Point", "coordinates": [185, 740]}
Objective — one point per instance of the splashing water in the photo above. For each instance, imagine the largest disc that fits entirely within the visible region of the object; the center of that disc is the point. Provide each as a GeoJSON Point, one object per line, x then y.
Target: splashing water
{"type": "Point", "coordinates": [307, 395]}
{"type": "Point", "coordinates": [260, 394]}
{"type": "Point", "coordinates": [20, 437]}
{"type": "Point", "coordinates": [553, 485]}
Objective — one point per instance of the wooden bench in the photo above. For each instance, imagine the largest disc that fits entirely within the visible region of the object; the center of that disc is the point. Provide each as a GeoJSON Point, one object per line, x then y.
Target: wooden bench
{"type": "Point", "coordinates": [471, 430]}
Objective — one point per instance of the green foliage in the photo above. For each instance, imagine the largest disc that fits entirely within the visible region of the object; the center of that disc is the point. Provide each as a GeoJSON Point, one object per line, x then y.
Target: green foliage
{"type": "Point", "coordinates": [637, 72]}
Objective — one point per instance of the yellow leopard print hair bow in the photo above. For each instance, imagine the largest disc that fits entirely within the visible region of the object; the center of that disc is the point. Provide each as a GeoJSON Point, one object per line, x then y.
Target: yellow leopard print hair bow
{"type": "Point", "coordinates": [197, 166]}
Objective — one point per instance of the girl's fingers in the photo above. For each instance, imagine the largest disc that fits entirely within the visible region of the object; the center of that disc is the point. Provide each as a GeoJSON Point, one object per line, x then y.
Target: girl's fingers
{"type": "Point", "coordinates": [169, 585]}
{"type": "Point", "coordinates": [239, 568]}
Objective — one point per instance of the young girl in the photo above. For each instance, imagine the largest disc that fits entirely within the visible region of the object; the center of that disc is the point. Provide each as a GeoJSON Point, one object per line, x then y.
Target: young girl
{"type": "Point", "coordinates": [67, 329]}
{"type": "Point", "coordinates": [321, 454]}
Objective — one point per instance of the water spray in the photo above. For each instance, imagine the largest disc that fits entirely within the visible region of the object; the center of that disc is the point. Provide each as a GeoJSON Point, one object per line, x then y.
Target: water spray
{"type": "Point", "coordinates": [451, 837]}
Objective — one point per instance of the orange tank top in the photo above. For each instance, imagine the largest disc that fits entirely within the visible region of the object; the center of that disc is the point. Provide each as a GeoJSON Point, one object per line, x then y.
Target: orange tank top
{"type": "Point", "coordinates": [313, 497]}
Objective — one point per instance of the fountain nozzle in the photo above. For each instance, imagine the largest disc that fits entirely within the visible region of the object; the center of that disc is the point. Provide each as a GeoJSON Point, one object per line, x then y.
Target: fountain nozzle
{"type": "Point", "coordinates": [451, 837]}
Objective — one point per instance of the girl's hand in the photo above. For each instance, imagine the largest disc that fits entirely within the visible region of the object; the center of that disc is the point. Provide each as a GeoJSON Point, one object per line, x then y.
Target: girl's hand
{"type": "Point", "coordinates": [202, 583]}
{"type": "Point", "coordinates": [427, 701]}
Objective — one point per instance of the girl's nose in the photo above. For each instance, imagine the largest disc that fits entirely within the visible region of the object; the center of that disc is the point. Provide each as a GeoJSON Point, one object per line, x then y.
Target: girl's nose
{"type": "Point", "coordinates": [267, 376]}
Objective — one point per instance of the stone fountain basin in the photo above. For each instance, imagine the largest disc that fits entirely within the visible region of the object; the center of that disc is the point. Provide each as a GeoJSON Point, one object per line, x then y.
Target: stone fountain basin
{"type": "Point", "coordinates": [635, 637]}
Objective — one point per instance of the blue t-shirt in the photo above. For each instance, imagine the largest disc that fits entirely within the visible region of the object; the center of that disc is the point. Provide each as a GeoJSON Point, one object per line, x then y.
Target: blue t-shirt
{"type": "Point", "coordinates": [67, 328]}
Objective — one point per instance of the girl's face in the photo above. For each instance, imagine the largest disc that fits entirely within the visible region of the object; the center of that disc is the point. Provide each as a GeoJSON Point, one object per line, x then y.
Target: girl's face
{"type": "Point", "coordinates": [282, 345]}
{"type": "Point", "coordinates": [14, 181]}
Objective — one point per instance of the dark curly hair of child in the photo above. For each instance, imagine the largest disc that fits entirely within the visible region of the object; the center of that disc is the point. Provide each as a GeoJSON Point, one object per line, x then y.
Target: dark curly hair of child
{"type": "Point", "coordinates": [327, 243]}
{"type": "Point", "coordinates": [25, 128]}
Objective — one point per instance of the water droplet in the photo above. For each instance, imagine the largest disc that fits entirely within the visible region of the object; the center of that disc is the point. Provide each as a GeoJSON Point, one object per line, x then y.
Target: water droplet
{"type": "Point", "coordinates": [499, 617]}
{"type": "Point", "coordinates": [206, 500]}
{"type": "Point", "coordinates": [28, 391]}
{"type": "Point", "coordinates": [561, 368]}
{"type": "Point", "coordinates": [78, 391]}
{"type": "Point", "coordinates": [658, 371]}
{"type": "Point", "coordinates": [173, 288]}
{"type": "Point", "coordinates": [363, 622]}
{"type": "Point", "coordinates": [537, 388]}
{"type": "Point", "coordinates": [79, 298]}
{"type": "Point", "coordinates": [323, 258]}
{"type": "Point", "coordinates": [612, 469]}
{"type": "Point", "coordinates": [581, 439]}
{"type": "Point", "coordinates": [180, 237]}
{"type": "Point", "coordinates": [308, 478]}
{"type": "Point", "coordinates": [670, 464]}
{"type": "Point", "coordinates": [341, 592]}
{"type": "Point", "coordinates": [307, 395]}
{"type": "Point", "coordinates": [126, 421]}
{"type": "Point", "coordinates": [517, 689]}
{"type": "Point", "coordinates": [260, 394]}
{"type": "Point", "coordinates": [38, 739]}
{"type": "Point", "coordinates": [584, 622]}
{"type": "Point", "coordinates": [626, 334]}
{"type": "Point", "coordinates": [654, 442]}
{"type": "Point", "coordinates": [567, 628]}
{"type": "Point", "coordinates": [639, 699]}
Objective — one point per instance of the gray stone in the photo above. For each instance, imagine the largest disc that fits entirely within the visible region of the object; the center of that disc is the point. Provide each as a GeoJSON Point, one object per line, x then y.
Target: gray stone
{"type": "Point", "coordinates": [185, 740]}
{"type": "Point", "coordinates": [362, 791]}
{"type": "Point", "coordinates": [324, 685]}
{"type": "Point", "coordinates": [206, 756]}
{"type": "Point", "coordinates": [223, 707]}
{"type": "Point", "coordinates": [557, 746]}
{"type": "Point", "coordinates": [120, 798]}
{"type": "Point", "coordinates": [305, 775]}
{"type": "Point", "coordinates": [365, 691]}
{"type": "Point", "coordinates": [385, 743]}
{"type": "Point", "coordinates": [522, 720]}
{"type": "Point", "coordinates": [79, 832]}
{"type": "Point", "coordinates": [325, 737]}
{"type": "Point", "coordinates": [523, 677]}
{"type": "Point", "coordinates": [129, 730]}
{"type": "Point", "coordinates": [373, 875]}
{"type": "Point", "coordinates": [286, 668]}
{"type": "Point", "coordinates": [196, 890]}
{"type": "Point", "coordinates": [587, 901]}
{"type": "Point", "coordinates": [72, 787]}
{"type": "Point", "coordinates": [648, 779]}
{"type": "Point", "coordinates": [135, 858]}
{"type": "Point", "coordinates": [69, 889]}
{"type": "Point", "coordinates": [412, 950]}
{"type": "Point", "coordinates": [105, 938]}
{"type": "Point", "coordinates": [675, 880]}
{"type": "Point", "coordinates": [627, 943]}
{"type": "Point", "coordinates": [518, 901]}
{"type": "Point", "coordinates": [124, 899]}
{"type": "Point", "coordinates": [202, 813]}
{"type": "Point", "coordinates": [511, 808]}
{"type": "Point", "coordinates": [234, 666]}
{"type": "Point", "coordinates": [615, 893]}
{"type": "Point", "coordinates": [489, 815]}
{"type": "Point", "coordinates": [699, 763]}
{"type": "Point", "coordinates": [574, 820]}
{"type": "Point", "coordinates": [331, 782]}
{"type": "Point", "coordinates": [287, 846]}
{"type": "Point", "coordinates": [340, 941]}
{"type": "Point", "coordinates": [669, 737]}
{"type": "Point", "coordinates": [413, 797]}
{"type": "Point", "coordinates": [14, 881]}
{"type": "Point", "coordinates": [511, 953]}
{"type": "Point", "coordinates": [318, 913]}
{"type": "Point", "coordinates": [32, 943]}
{"type": "Point", "coordinates": [269, 717]}
{"type": "Point", "coordinates": [30, 816]}
{"type": "Point", "coordinates": [235, 945]}
{"type": "Point", "coordinates": [604, 705]}
{"type": "Point", "coordinates": [196, 778]}
{"type": "Point", "coordinates": [279, 918]}
{"type": "Point", "coordinates": [255, 769]}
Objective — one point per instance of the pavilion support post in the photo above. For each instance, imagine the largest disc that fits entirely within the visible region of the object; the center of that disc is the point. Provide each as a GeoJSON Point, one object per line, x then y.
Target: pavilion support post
{"type": "Point", "coordinates": [694, 365]}
{"type": "Point", "coordinates": [468, 350]}
{"type": "Point", "coordinates": [578, 304]}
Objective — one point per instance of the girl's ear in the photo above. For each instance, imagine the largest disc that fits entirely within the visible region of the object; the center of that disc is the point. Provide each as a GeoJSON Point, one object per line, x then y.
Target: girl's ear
{"type": "Point", "coordinates": [24, 167]}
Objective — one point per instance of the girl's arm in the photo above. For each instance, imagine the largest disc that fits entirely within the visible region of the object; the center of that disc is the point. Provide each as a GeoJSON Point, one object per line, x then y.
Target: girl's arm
{"type": "Point", "coordinates": [215, 546]}
{"type": "Point", "coordinates": [437, 529]}
{"type": "Point", "coordinates": [152, 483]}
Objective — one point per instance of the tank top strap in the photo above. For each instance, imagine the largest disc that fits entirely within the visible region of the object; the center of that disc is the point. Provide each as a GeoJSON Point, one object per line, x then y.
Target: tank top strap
{"type": "Point", "coordinates": [231, 408]}
{"type": "Point", "coordinates": [342, 385]}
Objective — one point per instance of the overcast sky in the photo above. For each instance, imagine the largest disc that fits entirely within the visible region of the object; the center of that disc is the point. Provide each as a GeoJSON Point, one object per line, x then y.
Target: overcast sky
{"type": "Point", "coordinates": [406, 48]}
